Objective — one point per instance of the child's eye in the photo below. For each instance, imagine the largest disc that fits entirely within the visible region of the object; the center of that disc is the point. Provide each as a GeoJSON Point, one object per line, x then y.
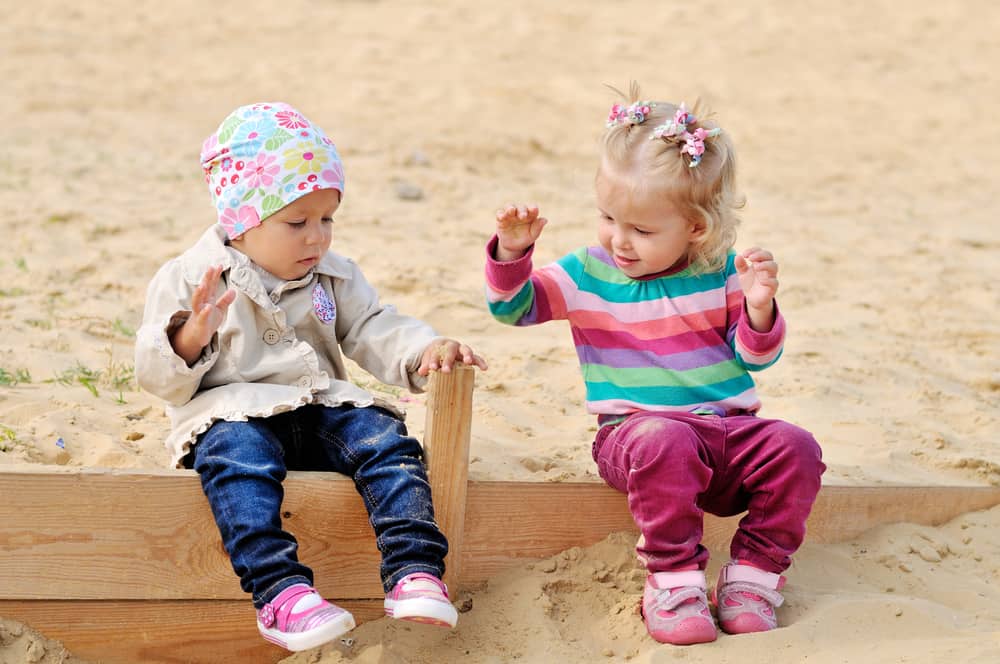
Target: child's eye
{"type": "Point", "coordinates": [327, 220]}
{"type": "Point", "coordinates": [296, 224]}
{"type": "Point", "coordinates": [643, 232]}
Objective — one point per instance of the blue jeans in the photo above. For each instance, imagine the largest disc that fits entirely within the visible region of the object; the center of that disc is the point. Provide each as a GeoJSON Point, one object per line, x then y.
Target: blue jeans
{"type": "Point", "coordinates": [242, 465]}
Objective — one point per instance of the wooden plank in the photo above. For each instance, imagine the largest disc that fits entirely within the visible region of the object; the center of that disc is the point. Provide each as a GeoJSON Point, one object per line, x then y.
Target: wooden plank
{"type": "Point", "coordinates": [105, 537]}
{"type": "Point", "coordinates": [510, 522]}
{"type": "Point", "coordinates": [844, 512]}
{"type": "Point", "coordinates": [446, 443]}
{"type": "Point", "coordinates": [160, 632]}
{"type": "Point", "coordinates": [65, 534]}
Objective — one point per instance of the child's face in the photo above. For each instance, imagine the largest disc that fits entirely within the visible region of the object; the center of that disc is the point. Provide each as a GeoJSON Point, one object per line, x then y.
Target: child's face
{"type": "Point", "coordinates": [642, 230]}
{"type": "Point", "coordinates": [292, 240]}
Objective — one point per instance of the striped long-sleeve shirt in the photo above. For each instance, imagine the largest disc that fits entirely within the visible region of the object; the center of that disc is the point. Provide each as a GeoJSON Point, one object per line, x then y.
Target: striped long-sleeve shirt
{"type": "Point", "coordinates": [670, 342]}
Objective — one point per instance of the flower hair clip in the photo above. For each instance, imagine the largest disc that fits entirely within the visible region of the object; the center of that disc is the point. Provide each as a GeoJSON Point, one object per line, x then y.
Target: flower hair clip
{"type": "Point", "coordinates": [632, 114]}
{"type": "Point", "coordinates": [676, 130]}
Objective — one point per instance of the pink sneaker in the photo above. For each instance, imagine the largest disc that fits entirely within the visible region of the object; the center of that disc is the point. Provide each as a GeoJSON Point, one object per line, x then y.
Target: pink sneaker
{"type": "Point", "coordinates": [745, 599]}
{"type": "Point", "coordinates": [422, 598]}
{"type": "Point", "coordinates": [675, 608]}
{"type": "Point", "coordinates": [320, 623]}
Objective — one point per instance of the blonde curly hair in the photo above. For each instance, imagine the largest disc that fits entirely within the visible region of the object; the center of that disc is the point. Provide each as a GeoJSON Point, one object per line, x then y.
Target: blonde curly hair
{"type": "Point", "coordinates": [705, 193]}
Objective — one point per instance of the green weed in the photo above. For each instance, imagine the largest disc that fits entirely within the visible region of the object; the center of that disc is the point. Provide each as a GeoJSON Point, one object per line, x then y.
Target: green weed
{"type": "Point", "coordinates": [123, 329]}
{"type": "Point", "coordinates": [8, 438]}
{"type": "Point", "coordinates": [79, 375]}
{"type": "Point", "coordinates": [11, 379]}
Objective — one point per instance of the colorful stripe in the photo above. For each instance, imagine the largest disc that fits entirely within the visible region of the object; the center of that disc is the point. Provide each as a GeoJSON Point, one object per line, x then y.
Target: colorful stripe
{"type": "Point", "coordinates": [676, 342]}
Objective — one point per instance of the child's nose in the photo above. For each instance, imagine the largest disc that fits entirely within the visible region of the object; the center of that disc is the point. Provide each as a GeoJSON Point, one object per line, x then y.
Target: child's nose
{"type": "Point", "coordinates": [620, 239]}
{"type": "Point", "coordinates": [315, 234]}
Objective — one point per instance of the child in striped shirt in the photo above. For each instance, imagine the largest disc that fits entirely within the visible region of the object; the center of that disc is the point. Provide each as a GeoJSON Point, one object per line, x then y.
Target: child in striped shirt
{"type": "Point", "coordinates": [668, 322]}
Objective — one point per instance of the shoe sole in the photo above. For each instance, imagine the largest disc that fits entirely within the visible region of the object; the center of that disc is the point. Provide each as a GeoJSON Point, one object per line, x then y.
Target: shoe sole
{"type": "Point", "coordinates": [297, 641]}
{"type": "Point", "coordinates": [428, 612]}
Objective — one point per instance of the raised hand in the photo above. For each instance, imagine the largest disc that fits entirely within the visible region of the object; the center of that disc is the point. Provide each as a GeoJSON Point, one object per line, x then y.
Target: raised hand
{"type": "Point", "coordinates": [207, 315]}
{"type": "Point", "coordinates": [518, 227]}
{"type": "Point", "coordinates": [758, 274]}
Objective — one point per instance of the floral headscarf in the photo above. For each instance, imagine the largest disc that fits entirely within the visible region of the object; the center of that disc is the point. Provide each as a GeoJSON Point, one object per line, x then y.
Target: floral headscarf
{"type": "Point", "coordinates": [263, 157]}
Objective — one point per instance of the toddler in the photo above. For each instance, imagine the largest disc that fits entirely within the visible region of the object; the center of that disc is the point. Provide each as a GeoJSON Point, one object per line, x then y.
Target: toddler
{"type": "Point", "coordinates": [242, 335]}
{"type": "Point", "coordinates": [668, 321]}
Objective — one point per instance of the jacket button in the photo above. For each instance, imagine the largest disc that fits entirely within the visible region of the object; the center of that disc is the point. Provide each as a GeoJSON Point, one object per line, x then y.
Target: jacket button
{"type": "Point", "coordinates": [271, 336]}
{"type": "Point", "coordinates": [305, 381]}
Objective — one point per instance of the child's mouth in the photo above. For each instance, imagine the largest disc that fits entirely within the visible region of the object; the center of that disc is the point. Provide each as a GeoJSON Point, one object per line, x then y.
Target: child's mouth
{"type": "Point", "coordinates": [625, 262]}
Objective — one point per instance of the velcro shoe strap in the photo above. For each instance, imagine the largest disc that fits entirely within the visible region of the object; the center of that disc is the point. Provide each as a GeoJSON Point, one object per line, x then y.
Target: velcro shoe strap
{"type": "Point", "coordinates": [668, 600]}
{"type": "Point", "coordinates": [694, 578]}
{"type": "Point", "coordinates": [417, 576]}
{"type": "Point", "coordinates": [771, 595]}
{"type": "Point", "coordinates": [748, 574]}
{"type": "Point", "coordinates": [279, 609]}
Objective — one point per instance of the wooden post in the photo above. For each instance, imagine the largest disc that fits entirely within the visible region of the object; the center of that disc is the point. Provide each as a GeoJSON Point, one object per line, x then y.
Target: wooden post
{"type": "Point", "coordinates": [446, 447]}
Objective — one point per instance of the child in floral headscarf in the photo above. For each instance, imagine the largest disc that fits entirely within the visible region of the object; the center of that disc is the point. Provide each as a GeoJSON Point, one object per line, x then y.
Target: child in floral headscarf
{"type": "Point", "coordinates": [242, 334]}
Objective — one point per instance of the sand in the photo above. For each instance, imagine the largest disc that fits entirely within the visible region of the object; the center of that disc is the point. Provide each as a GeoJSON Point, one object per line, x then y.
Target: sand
{"type": "Point", "coordinates": [865, 147]}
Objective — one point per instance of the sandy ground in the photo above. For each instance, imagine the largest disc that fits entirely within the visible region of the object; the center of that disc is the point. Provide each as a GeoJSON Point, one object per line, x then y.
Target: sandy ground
{"type": "Point", "coordinates": [865, 143]}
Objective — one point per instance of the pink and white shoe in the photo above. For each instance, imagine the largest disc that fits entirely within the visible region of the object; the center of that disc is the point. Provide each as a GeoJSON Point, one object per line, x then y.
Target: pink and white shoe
{"type": "Point", "coordinates": [422, 598]}
{"type": "Point", "coordinates": [675, 608]}
{"type": "Point", "coordinates": [745, 599]}
{"type": "Point", "coordinates": [316, 623]}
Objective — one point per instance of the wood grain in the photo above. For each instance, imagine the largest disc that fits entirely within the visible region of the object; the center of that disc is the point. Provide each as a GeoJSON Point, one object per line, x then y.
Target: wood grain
{"type": "Point", "coordinates": [446, 443]}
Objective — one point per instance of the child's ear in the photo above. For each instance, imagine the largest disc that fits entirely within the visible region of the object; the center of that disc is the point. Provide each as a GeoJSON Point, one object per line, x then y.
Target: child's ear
{"type": "Point", "coordinates": [696, 232]}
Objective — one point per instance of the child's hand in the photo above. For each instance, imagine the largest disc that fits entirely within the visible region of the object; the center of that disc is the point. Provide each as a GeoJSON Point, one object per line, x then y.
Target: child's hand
{"type": "Point", "coordinates": [442, 355]}
{"type": "Point", "coordinates": [207, 314]}
{"type": "Point", "coordinates": [518, 227]}
{"type": "Point", "coordinates": [758, 274]}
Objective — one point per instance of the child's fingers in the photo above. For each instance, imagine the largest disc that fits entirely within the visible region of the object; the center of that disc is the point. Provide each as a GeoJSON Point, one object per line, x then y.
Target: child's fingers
{"type": "Point", "coordinates": [466, 354]}
{"type": "Point", "coordinates": [207, 284]}
{"type": "Point", "coordinates": [474, 360]}
{"type": "Point", "coordinates": [768, 282]}
{"type": "Point", "coordinates": [765, 268]}
{"type": "Point", "coordinates": [447, 354]}
{"type": "Point", "coordinates": [443, 356]}
{"type": "Point", "coordinates": [202, 321]}
{"type": "Point", "coordinates": [757, 255]}
{"type": "Point", "coordinates": [469, 358]}
{"type": "Point", "coordinates": [227, 298]}
{"type": "Point", "coordinates": [507, 212]}
{"type": "Point", "coordinates": [197, 300]}
{"type": "Point", "coordinates": [435, 355]}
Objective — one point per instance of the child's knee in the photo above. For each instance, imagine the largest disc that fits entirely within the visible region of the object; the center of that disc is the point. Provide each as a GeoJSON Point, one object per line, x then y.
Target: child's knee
{"type": "Point", "coordinates": [799, 449]}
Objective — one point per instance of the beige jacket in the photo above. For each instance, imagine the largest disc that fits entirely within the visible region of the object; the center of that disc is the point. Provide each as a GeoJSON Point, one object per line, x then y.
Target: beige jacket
{"type": "Point", "coordinates": [273, 353]}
